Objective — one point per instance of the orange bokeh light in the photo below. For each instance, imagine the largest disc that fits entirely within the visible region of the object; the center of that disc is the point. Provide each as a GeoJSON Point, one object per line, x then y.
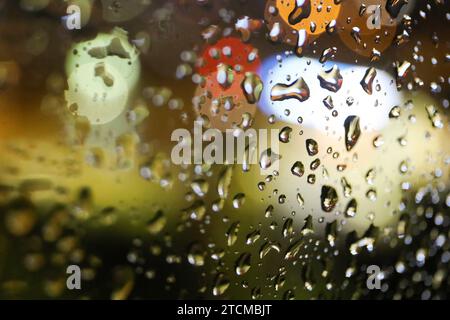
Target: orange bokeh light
{"type": "Point", "coordinates": [378, 39]}
{"type": "Point", "coordinates": [329, 11]}
{"type": "Point", "coordinates": [239, 56]}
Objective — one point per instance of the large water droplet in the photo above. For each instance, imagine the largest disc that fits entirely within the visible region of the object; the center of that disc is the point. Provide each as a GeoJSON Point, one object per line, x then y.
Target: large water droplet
{"type": "Point", "coordinates": [314, 164]}
{"type": "Point", "coordinates": [196, 256]}
{"type": "Point", "coordinates": [238, 200]}
{"type": "Point", "coordinates": [196, 211]}
{"type": "Point", "coordinates": [225, 75]}
{"type": "Point", "coordinates": [350, 210]}
{"type": "Point", "coordinates": [287, 228]}
{"type": "Point", "coordinates": [308, 226]}
{"type": "Point", "coordinates": [331, 233]}
{"type": "Point", "coordinates": [298, 169]}
{"type": "Point", "coordinates": [312, 147]}
{"type": "Point", "coordinates": [252, 87]}
{"type": "Point", "coordinates": [367, 81]}
{"type": "Point", "coordinates": [329, 198]}
{"type": "Point", "coordinates": [394, 7]}
{"type": "Point", "coordinates": [347, 187]}
{"type": "Point", "coordinates": [267, 247]}
{"type": "Point", "coordinates": [327, 53]}
{"type": "Point", "coordinates": [302, 9]}
{"type": "Point", "coordinates": [224, 182]}
{"type": "Point", "coordinates": [395, 112]}
{"type": "Point", "coordinates": [293, 250]}
{"type": "Point", "coordinates": [434, 117]}
{"type": "Point", "coordinates": [243, 263]}
{"type": "Point", "coordinates": [352, 131]}
{"type": "Point", "coordinates": [221, 284]}
{"type": "Point", "coordinates": [331, 79]}
{"type": "Point", "coordinates": [297, 90]}
{"type": "Point", "coordinates": [285, 134]}
{"type": "Point", "coordinates": [200, 187]}
{"type": "Point", "coordinates": [370, 176]}
{"type": "Point", "coordinates": [328, 102]}
{"type": "Point", "coordinates": [232, 234]}
{"type": "Point", "coordinates": [267, 158]}
{"type": "Point", "coordinates": [252, 237]}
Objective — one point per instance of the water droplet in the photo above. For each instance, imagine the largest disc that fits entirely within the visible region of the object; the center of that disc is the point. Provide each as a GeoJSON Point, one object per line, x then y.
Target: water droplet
{"type": "Point", "coordinates": [287, 228]}
{"type": "Point", "coordinates": [331, 27]}
{"type": "Point", "coordinates": [157, 223]}
{"type": "Point", "coordinates": [268, 247]}
{"type": "Point", "coordinates": [217, 254]}
{"type": "Point", "coordinates": [366, 241]}
{"type": "Point", "coordinates": [378, 141]}
{"type": "Point", "coordinates": [403, 166]}
{"type": "Point", "coordinates": [330, 79]}
{"type": "Point", "coordinates": [293, 250]}
{"type": "Point", "coordinates": [243, 263]}
{"type": "Point", "coordinates": [300, 199]}
{"type": "Point", "coordinates": [329, 198]}
{"type": "Point", "coordinates": [297, 90]}
{"type": "Point", "coordinates": [252, 237]}
{"type": "Point", "coordinates": [225, 75]}
{"type": "Point", "coordinates": [269, 211]}
{"type": "Point", "coordinates": [402, 141]}
{"type": "Point", "coordinates": [302, 10]}
{"type": "Point", "coordinates": [267, 158]}
{"type": "Point", "coordinates": [285, 134]}
{"type": "Point", "coordinates": [356, 34]}
{"type": "Point", "coordinates": [238, 200]}
{"type": "Point", "coordinates": [200, 187]}
{"type": "Point", "coordinates": [331, 233]}
{"type": "Point", "coordinates": [371, 194]}
{"type": "Point", "coordinates": [367, 81]}
{"type": "Point", "coordinates": [312, 147]}
{"type": "Point", "coordinates": [375, 55]}
{"type": "Point", "coordinates": [196, 256]}
{"type": "Point", "coordinates": [327, 53]}
{"type": "Point", "coordinates": [252, 87]}
{"type": "Point", "coordinates": [401, 70]}
{"type": "Point", "coordinates": [347, 187]}
{"type": "Point", "coordinates": [302, 36]}
{"type": "Point", "coordinates": [314, 164]}
{"type": "Point", "coordinates": [275, 32]}
{"type": "Point", "coordinates": [196, 211]}
{"type": "Point", "coordinates": [298, 169]}
{"type": "Point", "coordinates": [350, 210]}
{"type": "Point", "coordinates": [224, 182]}
{"type": "Point", "coordinates": [328, 102]}
{"type": "Point", "coordinates": [221, 284]}
{"type": "Point", "coordinates": [261, 186]}
{"type": "Point", "coordinates": [217, 205]}
{"type": "Point", "coordinates": [232, 234]}
{"type": "Point", "coordinates": [352, 131]}
{"type": "Point", "coordinates": [395, 112]}
{"type": "Point", "coordinates": [256, 293]}
{"type": "Point", "coordinates": [308, 226]}
{"type": "Point", "coordinates": [394, 7]}
{"type": "Point", "coordinates": [370, 176]}
{"type": "Point", "coordinates": [434, 117]}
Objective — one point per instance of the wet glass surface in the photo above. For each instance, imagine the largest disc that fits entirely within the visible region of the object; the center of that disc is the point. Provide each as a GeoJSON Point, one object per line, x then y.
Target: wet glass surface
{"type": "Point", "coordinates": [350, 97]}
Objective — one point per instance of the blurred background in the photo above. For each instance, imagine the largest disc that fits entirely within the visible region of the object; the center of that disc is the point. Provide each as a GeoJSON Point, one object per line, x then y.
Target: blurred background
{"type": "Point", "coordinates": [86, 177]}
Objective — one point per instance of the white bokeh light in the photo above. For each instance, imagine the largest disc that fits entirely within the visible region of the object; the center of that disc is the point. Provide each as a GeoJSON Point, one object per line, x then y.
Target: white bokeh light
{"type": "Point", "coordinates": [373, 110]}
